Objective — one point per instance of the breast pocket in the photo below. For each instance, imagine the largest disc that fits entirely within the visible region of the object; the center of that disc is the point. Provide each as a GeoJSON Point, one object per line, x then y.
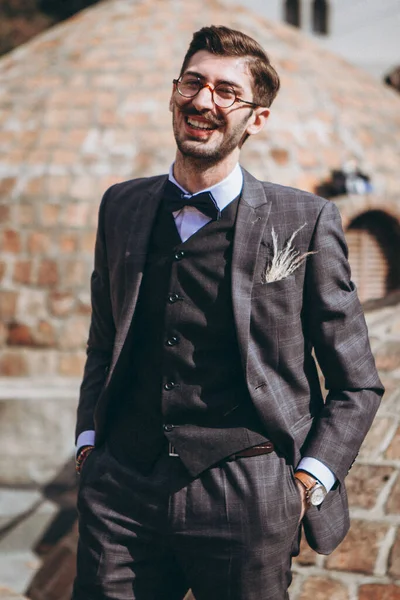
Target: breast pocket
{"type": "Point", "coordinates": [278, 300]}
{"type": "Point", "coordinates": [281, 285]}
{"type": "Point", "coordinates": [275, 311]}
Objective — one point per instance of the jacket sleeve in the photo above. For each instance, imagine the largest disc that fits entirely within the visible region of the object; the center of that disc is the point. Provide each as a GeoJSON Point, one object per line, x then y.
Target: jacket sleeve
{"type": "Point", "coordinates": [101, 333]}
{"type": "Point", "coordinates": [339, 335]}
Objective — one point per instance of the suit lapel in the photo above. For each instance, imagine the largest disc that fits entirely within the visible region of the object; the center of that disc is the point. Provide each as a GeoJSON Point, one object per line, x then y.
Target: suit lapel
{"type": "Point", "coordinates": [253, 212]}
{"type": "Point", "coordinates": [141, 222]}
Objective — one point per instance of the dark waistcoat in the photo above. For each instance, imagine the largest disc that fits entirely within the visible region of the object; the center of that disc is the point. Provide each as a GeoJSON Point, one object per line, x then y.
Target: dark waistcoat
{"type": "Point", "coordinates": [185, 382]}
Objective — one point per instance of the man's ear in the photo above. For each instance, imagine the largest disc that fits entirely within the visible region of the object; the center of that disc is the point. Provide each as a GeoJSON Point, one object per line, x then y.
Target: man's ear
{"type": "Point", "coordinates": [257, 120]}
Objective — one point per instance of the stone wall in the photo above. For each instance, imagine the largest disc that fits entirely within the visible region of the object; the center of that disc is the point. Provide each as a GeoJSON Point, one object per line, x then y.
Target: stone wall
{"type": "Point", "coordinates": [36, 429]}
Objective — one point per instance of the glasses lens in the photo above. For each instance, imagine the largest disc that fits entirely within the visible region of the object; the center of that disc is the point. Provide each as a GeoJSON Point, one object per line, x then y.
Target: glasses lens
{"type": "Point", "coordinates": [224, 96]}
{"type": "Point", "coordinates": [188, 86]}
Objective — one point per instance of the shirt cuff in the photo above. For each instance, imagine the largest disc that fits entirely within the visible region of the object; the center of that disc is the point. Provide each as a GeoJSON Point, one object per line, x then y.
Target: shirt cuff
{"type": "Point", "coordinates": [86, 438]}
{"type": "Point", "coordinates": [318, 470]}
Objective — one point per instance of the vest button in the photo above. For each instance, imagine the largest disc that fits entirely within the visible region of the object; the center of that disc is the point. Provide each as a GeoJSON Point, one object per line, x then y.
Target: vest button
{"type": "Point", "coordinates": [172, 298]}
{"type": "Point", "coordinates": [179, 255]}
{"type": "Point", "coordinates": [172, 341]}
{"type": "Point", "coordinates": [168, 427]}
{"type": "Point", "coordinates": [169, 386]}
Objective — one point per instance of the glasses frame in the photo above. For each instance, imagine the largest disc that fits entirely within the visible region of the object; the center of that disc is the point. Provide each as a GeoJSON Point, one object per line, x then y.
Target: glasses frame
{"type": "Point", "coordinates": [176, 82]}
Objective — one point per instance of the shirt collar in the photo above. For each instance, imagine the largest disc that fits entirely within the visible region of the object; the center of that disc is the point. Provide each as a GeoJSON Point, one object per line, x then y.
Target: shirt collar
{"type": "Point", "coordinates": [223, 192]}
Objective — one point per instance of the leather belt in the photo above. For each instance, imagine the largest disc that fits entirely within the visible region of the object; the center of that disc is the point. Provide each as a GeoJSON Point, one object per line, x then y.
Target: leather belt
{"type": "Point", "coordinates": [265, 448]}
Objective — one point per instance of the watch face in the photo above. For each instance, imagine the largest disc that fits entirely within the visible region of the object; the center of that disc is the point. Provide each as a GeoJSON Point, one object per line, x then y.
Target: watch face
{"type": "Point", "coordinates": [317, 495]}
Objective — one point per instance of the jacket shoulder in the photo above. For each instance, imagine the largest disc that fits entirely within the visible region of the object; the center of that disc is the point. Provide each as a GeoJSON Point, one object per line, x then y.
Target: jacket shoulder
{"type": "Point", "coordinates": [292, 194]}
{"type": "Point", "coordinates": [284, 197]}
{"type": "Point", "coordinates": [133, 188]}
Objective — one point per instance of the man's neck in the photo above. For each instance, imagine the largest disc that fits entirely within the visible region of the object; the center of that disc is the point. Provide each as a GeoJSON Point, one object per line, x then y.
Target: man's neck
{"type": "Point", "coordinates": [195, 175]}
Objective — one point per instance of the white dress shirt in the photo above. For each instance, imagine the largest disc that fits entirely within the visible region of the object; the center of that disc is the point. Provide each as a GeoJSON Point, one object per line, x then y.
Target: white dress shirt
{"type": "Point", "coordinates": [188, 221]}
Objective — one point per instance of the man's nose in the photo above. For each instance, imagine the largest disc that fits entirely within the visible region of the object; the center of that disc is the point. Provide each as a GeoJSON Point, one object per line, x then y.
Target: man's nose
{"type": "Point", "coordinates": [204, 99]}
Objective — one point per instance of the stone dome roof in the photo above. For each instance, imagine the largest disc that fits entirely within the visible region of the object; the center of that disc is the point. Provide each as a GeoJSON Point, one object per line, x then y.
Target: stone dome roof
{"type": "Point", "coordinates": [86, 104]}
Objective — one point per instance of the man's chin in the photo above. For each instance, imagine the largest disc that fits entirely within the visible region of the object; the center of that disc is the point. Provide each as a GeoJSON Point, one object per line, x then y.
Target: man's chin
{"type": "Point", "coordinates": [198, 151]}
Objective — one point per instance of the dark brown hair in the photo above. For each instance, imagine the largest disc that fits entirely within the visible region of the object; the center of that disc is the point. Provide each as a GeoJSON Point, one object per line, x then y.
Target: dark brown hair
{"type": "Point", "coordinates": [223, 41]}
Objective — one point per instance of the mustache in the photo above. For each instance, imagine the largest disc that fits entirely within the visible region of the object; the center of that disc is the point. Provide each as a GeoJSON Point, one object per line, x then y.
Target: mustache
{"type": "Point", "coordinates": [192, 112]}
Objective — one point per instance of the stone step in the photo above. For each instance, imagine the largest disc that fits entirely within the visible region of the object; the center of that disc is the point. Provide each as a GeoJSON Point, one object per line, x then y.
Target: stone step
{"type": "Point", "coordinates": [16, 572]}
{"type": "Point", "coordinates": [20, 531]}
{"type": "Point", "coordinates": [36, 428]}
{"type": "Point", "coordinates": [40, 388]}
{"type": "Point", "coordinates": [54, 580]}
{"type": "Point", "coordinates": [7, 594]}
{"type": "Point", "coordinates": [14, 502]}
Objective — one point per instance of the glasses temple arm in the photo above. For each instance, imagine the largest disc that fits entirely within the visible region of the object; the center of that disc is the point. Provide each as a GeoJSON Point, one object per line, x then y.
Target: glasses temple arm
{"type": "Point", "coordinates": [253, 104]}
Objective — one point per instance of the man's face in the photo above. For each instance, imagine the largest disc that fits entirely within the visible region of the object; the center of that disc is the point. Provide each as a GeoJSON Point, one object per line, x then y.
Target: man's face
{"type": "Point", "coordinates": [203, 130]}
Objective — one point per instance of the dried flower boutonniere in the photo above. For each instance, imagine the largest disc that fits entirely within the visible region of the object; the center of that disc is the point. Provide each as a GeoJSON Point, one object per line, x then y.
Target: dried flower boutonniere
{"type": "Point", "coordinates": [285, 261]}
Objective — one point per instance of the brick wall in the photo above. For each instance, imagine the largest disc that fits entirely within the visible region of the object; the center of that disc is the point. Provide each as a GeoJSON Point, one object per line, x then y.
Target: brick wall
{"type": "Point", "coordinates": [85, 105]}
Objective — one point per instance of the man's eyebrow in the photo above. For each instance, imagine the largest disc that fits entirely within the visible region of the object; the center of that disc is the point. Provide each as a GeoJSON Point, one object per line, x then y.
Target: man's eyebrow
{"type": "Point", "coordinates": [232, 84]}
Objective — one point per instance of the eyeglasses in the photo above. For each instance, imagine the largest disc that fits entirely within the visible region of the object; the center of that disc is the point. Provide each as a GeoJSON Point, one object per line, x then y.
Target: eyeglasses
{"type": "Point", "coordinates": [222, 94]}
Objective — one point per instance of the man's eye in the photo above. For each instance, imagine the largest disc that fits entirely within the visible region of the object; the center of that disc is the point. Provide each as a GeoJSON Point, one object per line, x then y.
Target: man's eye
{"type": "Point", "coordinates": [193, 83]}
{"type": "Point", "coordinates": [224, 92]}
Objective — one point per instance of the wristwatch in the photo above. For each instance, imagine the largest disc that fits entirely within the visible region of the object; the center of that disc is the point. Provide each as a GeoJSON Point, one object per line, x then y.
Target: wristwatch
{"type": "Point", "coordinates": [315, 491]}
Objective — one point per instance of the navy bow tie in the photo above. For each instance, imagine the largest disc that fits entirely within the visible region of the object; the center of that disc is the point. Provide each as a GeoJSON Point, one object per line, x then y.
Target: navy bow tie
{"type": "Point", "coordinates": [175, 199]}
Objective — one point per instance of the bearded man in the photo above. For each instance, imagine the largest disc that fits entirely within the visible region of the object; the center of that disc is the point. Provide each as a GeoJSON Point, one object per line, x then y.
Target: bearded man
{"type": "Point", "coordinates": [204, 443]}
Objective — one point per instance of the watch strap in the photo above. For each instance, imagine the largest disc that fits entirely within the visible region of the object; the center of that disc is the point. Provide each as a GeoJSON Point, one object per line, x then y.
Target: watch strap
{"type": "Point", "coordinates": [82, 456]}
{"type": "Point", "coordinates": [307, 480]}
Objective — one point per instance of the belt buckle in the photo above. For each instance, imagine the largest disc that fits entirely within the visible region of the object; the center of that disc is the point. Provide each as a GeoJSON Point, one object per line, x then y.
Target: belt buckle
{"type": "Point", "coordinates": [172, 450]}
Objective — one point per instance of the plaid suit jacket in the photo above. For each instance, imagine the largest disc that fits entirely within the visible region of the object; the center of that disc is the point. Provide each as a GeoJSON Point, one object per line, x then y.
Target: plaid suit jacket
{"type": "Point", "coordinates": [280, 326]}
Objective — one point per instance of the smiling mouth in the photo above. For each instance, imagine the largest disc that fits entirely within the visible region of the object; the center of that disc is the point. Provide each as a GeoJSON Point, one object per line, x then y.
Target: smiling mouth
{"type": "Point", "coordinates": [200, 125]}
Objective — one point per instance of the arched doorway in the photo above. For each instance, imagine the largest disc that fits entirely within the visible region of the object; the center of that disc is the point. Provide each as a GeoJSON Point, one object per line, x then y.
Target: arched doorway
{"type": "Point", "coordinates": [374, 248]}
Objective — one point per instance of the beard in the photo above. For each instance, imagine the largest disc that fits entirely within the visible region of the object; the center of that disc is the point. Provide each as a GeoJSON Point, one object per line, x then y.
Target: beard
{"type": "Point", "coordinates": [209, 151]}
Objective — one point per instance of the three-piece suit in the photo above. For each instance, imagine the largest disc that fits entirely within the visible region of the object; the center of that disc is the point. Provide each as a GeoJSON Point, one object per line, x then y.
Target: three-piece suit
{"type": "Point", "coordinates": [191, 349]}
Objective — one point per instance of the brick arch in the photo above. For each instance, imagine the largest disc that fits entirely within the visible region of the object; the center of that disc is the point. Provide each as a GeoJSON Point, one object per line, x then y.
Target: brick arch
{"type": "Point", "coordinates": [351, 207]}
{"type": "Point", "coordinates": [372, 229]}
